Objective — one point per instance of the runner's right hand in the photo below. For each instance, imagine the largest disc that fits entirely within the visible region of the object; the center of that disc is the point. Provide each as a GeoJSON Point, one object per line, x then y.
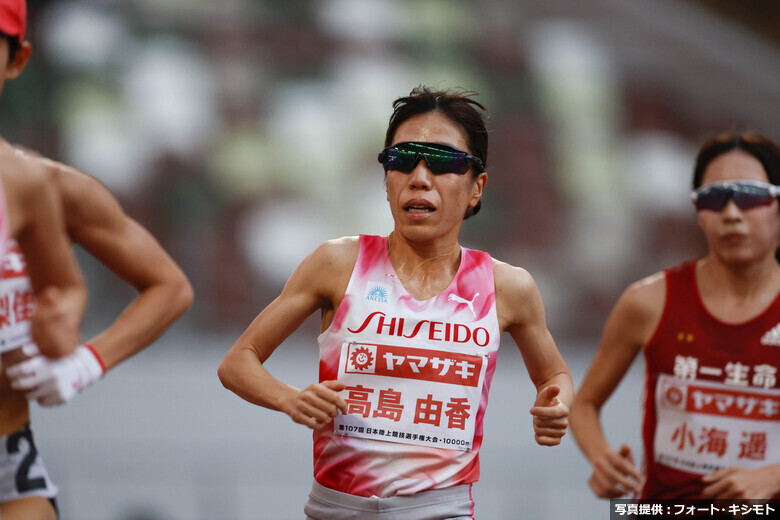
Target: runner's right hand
{"type": "Point", "coordinates": [317, 404]}
{"type": "Point", "coordinates": [614, 474]}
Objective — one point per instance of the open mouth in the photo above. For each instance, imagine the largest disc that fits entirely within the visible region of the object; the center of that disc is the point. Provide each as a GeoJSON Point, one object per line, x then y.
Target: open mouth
{"type": "Point", "coordinates": [419, 207]}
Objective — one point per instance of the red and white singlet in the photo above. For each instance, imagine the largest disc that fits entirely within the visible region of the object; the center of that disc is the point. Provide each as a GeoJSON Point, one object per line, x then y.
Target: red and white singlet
{"type": "Point", "coordinates": [711, 395]}
{"type": "Point", "coordinates": [417, 374]}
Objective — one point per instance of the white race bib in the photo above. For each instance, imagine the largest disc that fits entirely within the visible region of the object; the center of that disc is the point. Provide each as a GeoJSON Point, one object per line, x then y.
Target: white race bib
{"type": "Point", "coordinates": [17, 302]}
{"type": "Point", "coordinates": [704, 426]}
{"type": "Point", "coordinates": [423, 396]}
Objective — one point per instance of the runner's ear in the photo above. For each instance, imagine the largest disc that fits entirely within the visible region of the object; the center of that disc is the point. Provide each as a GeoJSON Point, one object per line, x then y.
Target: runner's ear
{"type": "Point", "coordinates": [19, 62]}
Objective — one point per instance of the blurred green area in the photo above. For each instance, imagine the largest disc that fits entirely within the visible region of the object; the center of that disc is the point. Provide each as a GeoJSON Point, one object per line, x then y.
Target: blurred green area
{"type": "Point", "coordinates": [243, 133]}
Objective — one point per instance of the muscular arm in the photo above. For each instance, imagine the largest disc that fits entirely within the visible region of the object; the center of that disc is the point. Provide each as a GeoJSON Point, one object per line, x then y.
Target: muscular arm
{"type": "Point", "coordinates": [319, 282]}
{"type": "Point", "coordinates": [37, 223]}
{"type": "Point", "coordinates": [627, 330]}
{"type": "Point", "coordinates": [521, 313]}
{"type": "Point", "coordinates": [96, 221]}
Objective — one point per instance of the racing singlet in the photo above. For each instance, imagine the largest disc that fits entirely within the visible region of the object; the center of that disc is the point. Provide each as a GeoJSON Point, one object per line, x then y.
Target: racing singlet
{"type": "Point", "coordinates": [417, 374]}
{"type": "Point", "coordinates": [711, 395]}
{"type": "Point", "coordinates": [17, 302]}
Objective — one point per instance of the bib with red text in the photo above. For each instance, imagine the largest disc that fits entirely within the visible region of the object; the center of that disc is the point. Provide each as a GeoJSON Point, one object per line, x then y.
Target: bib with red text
{"type": "Point", "coordinates": [17, 303]}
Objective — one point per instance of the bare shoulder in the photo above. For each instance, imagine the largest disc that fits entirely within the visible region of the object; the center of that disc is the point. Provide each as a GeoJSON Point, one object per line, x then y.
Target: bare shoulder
{"type": "Point", "coordinates": [327, 270]}
{"type": "Point", "coordinates": [337, 254]}
{"type": "Point", "coordinates": [87, 204]}
{"type": "Point", "coordinates": [25, 184]}
{"type": "Point", "coordinates": [518, 302]}
{"type": "Point", "coordinates": [512, 281]}
{"type": "Point", "coordinates": [638, 311]}
{"type": "Point", "coordinates": [645, 298]}
{"type": "Point", "coordinates": [77, 189]}
{"type": "Point", "coordinates": [21, 172]}
{"type": "Point", "coordinates": [55, 171]}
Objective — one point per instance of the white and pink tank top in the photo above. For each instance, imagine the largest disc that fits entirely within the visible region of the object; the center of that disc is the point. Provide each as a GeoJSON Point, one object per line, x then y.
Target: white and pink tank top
{"type": "Point", "coordinates": [418, 375]}
{"type": "Point", "coordinates": [17, 302]}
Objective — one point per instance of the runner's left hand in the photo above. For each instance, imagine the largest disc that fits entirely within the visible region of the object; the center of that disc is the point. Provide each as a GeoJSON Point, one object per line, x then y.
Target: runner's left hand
{"type": "Point", "coordinates": [551, 417]}
{"type": "Point", "coordinates": [742, 483]}
{"type": "Point", "coordinates": [56, 381]}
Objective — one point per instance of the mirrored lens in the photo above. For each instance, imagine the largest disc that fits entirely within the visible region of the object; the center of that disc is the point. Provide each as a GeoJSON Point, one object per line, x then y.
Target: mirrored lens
{"type": "Point", "coordinates": [446, 162]}
{"type": "Point", "coordinates": [398, 159]}
{"type": "Point", "coordinates": [746, 196]}
{"type": "Point", "coordinates": [439, 158]}
{"type": "Point", "coordinates": [714, 198]}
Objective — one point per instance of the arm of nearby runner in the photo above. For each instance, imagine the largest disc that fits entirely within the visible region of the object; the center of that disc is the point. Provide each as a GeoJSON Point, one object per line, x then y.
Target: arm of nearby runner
{"type": "Point", "coordinates": [743, 483]}
{"type": "Point", "coordinates": [97, 222]}
{"type": "Point", "coordinates": [628, 328]}
{"type": "Point", "coordinates": [521, 313]}
{"type": "Point", "coordinates": [37, 223]}
{"type": "Point", "coordinates": [319, 282]}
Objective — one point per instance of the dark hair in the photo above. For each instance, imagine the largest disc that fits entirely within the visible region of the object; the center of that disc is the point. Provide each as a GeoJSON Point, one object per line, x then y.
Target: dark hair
{"type": "Point", "coordinates": [457, 106]}
{"type": "Point", "coordinates": [760, 147]}
{"type": "Point", "coordinates": [13, 45]}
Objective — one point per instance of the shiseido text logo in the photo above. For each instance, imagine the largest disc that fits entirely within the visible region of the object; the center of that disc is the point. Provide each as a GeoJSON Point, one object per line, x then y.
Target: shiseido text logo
{"type": "Point", "coordinates": [432, 330]}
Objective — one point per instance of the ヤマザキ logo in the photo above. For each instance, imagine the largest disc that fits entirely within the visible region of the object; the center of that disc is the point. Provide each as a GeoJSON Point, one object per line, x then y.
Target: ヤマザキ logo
{"type": "Point", "coordinates": [361, 358]}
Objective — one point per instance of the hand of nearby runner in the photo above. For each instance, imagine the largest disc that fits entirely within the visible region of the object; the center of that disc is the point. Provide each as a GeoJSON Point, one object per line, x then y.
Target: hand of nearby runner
{"type": "Point", "coordinates": [317, 404]}
{"type": "Point", "coordinates": [551, 417]}
{"type": "Point", "coordinates": [742, 483]}
{"type": "Point", "coordinates": [614, 474]}
{"type": "Point", "coordinates": [56, 381]}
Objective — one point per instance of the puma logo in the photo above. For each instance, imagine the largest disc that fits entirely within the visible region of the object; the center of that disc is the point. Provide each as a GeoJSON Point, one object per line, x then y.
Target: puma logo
{"type": "Point", "coordinates": [456, 298]}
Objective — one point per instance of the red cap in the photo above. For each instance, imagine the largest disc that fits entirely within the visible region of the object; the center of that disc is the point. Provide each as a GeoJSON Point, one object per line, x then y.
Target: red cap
{"type": "Point", "coordinates": [13, 17]}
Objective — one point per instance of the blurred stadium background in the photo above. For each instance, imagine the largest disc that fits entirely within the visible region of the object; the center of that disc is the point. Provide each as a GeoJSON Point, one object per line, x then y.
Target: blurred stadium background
{"type": "Point", "coordinates": [243, 133]}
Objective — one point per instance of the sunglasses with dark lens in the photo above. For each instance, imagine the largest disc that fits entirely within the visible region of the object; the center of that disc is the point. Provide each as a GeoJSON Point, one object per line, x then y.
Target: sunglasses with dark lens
{"type": "Point", "coordinates": [745, 194]}
{"type": "Point", "coordinates": [440, 158]}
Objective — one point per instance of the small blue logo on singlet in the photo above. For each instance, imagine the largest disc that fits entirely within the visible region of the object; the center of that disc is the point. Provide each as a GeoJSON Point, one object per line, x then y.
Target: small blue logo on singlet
{"type": "Point", "coordinates": [377, 293]}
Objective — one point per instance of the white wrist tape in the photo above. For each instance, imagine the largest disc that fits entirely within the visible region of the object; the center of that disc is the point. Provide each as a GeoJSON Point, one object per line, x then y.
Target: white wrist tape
{"type": "Point", "coordinates": [57, 381]}
{"type": "Point", "coordinates": [89, 366]}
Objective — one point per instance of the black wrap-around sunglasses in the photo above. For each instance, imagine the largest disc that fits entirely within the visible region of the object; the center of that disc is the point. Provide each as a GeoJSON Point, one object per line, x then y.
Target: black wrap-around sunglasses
{"type": "Point", "coordinates": [440, 158]}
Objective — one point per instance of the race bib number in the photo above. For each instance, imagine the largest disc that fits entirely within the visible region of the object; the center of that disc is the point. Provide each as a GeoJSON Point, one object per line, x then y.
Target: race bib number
{"type": "Point", "coordinates": [704, 426]}
{"type": "Point", "coordinates": [428, 397]}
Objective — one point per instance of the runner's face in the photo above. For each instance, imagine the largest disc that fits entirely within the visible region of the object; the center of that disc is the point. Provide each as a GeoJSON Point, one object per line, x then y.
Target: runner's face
{"type": "Point", "coordinates": [426, 206]}
{"type": "Point", "coordinates": [733, 234]}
